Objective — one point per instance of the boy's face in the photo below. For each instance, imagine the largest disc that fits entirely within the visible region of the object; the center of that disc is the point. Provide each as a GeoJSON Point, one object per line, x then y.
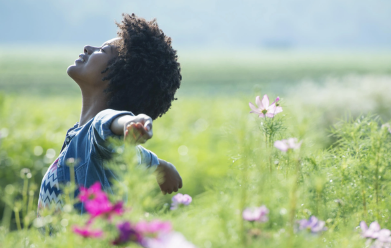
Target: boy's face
{"type": "Point", "coordinates": [87, 69]}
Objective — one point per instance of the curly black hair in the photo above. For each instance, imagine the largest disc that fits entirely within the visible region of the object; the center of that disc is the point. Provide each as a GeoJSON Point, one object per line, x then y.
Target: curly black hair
{"type": "Point", "coordinates": [146, 74]}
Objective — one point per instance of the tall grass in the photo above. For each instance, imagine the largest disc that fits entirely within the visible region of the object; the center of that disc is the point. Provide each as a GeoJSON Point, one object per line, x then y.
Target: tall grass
{"type": "Point", "coordinates": [224, 154]}
{"type": "Point", "coordinates": [229, 165]}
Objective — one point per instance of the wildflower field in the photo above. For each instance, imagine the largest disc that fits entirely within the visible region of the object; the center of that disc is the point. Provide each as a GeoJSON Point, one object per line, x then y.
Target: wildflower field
{"type": "Point", "coordinates": [308, 167]}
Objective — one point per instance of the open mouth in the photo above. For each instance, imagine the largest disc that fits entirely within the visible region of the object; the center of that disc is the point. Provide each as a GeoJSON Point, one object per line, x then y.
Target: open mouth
{"type": "Point", "coordinates": [82, 58]}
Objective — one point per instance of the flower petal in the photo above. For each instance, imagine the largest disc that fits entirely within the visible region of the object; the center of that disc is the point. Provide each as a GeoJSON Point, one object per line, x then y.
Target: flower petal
{"type": "Point", "coordinates": [374, 226]}
{"type": "Point", "coordinates": [384, 235]}
{"type": "Point", "coordinates": [85, 232]}
{"type": "Point", "coordinates": [259, 103]}
{"type": "Point", "coordinates": [265, 101]}
{"type": "Point", "coordinates": [254, 109]}
{"type": "Point", "coordinates": [319, 227]}
{"type": "Point", "coordinates": [278, 110]}
{"type": "Point", "coordinates": [363, 226]}
{"type": "Point", "coordinates": [281, 145]}
{"type": "Point", "coordinates": [292, 143]}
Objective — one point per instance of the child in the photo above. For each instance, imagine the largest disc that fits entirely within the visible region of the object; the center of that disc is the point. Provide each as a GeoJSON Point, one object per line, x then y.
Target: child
{"type": "Point", "coordinates": [125, 84]}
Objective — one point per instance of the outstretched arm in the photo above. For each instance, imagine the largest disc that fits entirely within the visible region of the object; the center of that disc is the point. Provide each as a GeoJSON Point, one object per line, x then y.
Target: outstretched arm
{"type": "Point", "coordinates": [168, 177]}
{"type": "Point", "coordinates": [138, 128]}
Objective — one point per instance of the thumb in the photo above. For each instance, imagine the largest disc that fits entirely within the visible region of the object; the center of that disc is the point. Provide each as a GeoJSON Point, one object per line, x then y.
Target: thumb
{"type": "Point", "coordinates": [148, 125]}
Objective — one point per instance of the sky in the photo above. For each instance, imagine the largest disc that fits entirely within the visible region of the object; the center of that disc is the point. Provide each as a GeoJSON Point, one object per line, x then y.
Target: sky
{"type": "Point", "coordinates": [205, 24]}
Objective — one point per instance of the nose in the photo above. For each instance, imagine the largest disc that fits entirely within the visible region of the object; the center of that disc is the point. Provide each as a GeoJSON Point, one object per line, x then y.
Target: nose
{"type": "Point", "coordinates": [89, 49]}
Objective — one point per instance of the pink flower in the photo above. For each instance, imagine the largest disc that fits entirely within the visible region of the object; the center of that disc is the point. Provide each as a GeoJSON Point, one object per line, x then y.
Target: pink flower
{"type": "Point", "coordinates": [154, 227]}
{"type": "Point", "coordinates": [256, 214]}
{"type": "Point", "coordinates": [127, 233]}
{"type": "Point", "coordinates": [371, 232]}
{"type": "Point", "coordinates": [92, 193]}
{"type": "Point", "coordinates": [168, 240]}
{"type": "Point", "coordinates": [180, 199]}
{"type": "Point", "coordinates": [97, 203]}
{"type": "Point", "coordinates": [381, 237]}
{"type": "Point", "coordinates": [104, 208]}
{"type": "Point", "coordinates": [263, 109]}
{"type": "Point", "coordinates": [87, 233]}
{"type": "Point", "coordinates": [312, 224]}
{"type": "Point", "coordinates": [285, 145]}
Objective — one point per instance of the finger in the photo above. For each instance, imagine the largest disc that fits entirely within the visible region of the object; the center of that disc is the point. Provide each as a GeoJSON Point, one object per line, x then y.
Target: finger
{"type": "Point", "coordinates": [141, 130]}
{"type": "Point", "coordinates": [169, 191]}
{"type": "Point", "coordinates": [133, 131]}
{"type": "Point", "coordinates": [129, 132]}
{"type": "Point", "coordinates": [140, 139]}
{"type": "Point", "coordinates": [127, 128]}
{"type": "Point", "coordinates": [130, 125]}
{"type": "Point", "coordinates": [175, 189]}
{"type": "Point", "coordinates": [145, 130]}
{"type": "Point", "coordinates": [146, 135]}
{"type": "Point", "coordinates": [148, 125]}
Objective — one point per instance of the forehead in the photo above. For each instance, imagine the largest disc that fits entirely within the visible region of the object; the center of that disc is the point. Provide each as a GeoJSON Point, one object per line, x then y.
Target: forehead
{"type": "Point", "coordinates": [112, 41]}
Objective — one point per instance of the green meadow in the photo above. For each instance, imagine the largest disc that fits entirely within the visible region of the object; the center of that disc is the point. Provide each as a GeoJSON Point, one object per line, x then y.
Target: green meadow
{"type": "Point", "coordinates": [335, 103]}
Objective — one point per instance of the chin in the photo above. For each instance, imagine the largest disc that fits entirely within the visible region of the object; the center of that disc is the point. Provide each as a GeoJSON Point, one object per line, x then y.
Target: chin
{"type": "Point", "coordinates": [72, 71]}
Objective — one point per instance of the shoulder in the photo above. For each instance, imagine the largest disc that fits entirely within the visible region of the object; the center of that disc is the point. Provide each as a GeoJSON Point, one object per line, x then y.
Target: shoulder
{"type": "Point", "coordinates": [106, 117]}
{"type": "Point", "coordinates": [108, 114]}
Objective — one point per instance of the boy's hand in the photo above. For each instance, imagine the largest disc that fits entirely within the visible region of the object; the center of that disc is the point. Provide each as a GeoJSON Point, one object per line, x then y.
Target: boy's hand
{"type": "Point", "coordinates": [168, 177]}
{"type": "Point", "coordinates": [139, 129]}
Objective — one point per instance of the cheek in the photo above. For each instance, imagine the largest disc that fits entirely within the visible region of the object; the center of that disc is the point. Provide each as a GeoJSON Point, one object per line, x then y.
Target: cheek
{"type": "Point", "coordinates": [94, 67]}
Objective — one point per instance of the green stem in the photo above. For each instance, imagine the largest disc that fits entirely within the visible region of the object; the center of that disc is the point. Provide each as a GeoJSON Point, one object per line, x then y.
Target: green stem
{"type": "Point", "coordinates": [317, 202]}
{"type": "Point", "coordinates": [243, 190]}
{"type": "Point", "coordinates": [7, 214]}
{"type": "Point", "coordinates": [17, 219]}
{"type": "Point", "coordinates": [377, 180]}
{"type": "Point", "coordinates": [364, 204]}
{"type": "Point", "coordinates": [31, 200]}
{"type": "Point", "coordinates": [287, 164]}
{"type": "Point", "coordinates": [24, 195]}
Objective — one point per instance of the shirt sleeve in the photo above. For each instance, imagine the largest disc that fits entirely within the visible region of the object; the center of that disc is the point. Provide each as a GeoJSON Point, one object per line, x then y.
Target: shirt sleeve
{"type": "Point", "coordinates": [147, 157]}
{"type": "Point", "coordinates": [101, 132]}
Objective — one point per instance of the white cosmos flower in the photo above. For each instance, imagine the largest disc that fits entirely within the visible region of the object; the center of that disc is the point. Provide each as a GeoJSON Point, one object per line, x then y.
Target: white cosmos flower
{"type": "Point", "coordinates": [263, 109]}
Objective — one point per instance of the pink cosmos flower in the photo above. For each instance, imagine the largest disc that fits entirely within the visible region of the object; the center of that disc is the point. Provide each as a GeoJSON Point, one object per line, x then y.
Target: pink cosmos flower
{"type": "Point", "coordinates": [312, 224]}
{"type": "Point", "coordinates": [285, 145]}
{"type": "Point", "coordinates": [180, 199]}
{"type": "Point", "coordinates": [92, 193]}
{"type": "Point", "coordinates": [87, 233]}
{"type": "Point", "coordinates": [263, 109]}
{"type": "Point", "coordinates": [381, 237]}
{"type": "Point", "coordinates": [371, 232]}
{"type": "Point", "coordinates": [154, 227]}
{"type": "Point", "coordinates": [127, 233]}
{"type": "Point", "coordinates": [104, 208]}
{"type": "Point", "coordinates": [256, 214]}
{"type": "Point", "coordinates": [97, 203]}
{"type": "Point", "coordinates": [168, 240]}
{"type": "Point", "coordinates": [374, 232]}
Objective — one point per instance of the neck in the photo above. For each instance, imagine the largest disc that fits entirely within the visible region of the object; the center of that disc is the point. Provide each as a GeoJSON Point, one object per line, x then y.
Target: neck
{"type": "Point", "coordinates": [92, 103]}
